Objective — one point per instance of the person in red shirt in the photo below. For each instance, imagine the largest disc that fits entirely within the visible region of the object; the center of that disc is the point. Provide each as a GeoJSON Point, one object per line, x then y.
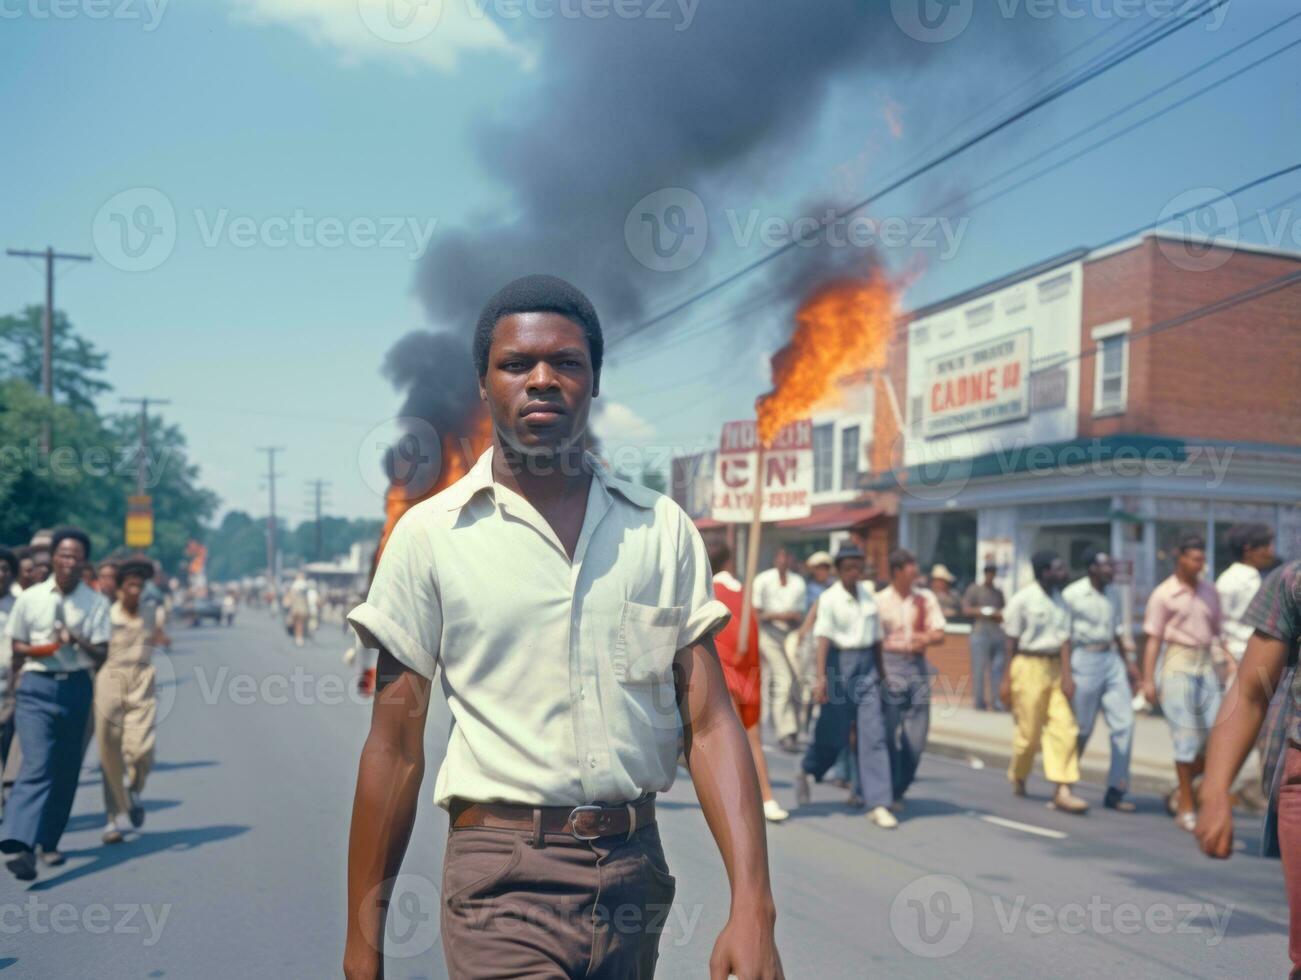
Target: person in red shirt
{"type": "Point", "coordinates": [741, 667]}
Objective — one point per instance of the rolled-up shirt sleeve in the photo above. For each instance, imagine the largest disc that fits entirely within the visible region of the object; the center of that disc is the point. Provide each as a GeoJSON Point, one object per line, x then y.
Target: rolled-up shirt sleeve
{"type": "Point", "coordinates": [704, 615]}
{"type": "Point", "coordinates": [824, 624]}
{"type": "Point", "coordinates": [402, 612]}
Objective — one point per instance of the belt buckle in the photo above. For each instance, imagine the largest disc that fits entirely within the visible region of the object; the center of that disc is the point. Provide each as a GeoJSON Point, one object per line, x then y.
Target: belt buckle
{"type": "Point", "coordinates": [573, 826]}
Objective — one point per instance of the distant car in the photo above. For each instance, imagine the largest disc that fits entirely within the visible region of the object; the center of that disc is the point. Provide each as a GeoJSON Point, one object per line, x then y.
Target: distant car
{"type": "Point", "coordinates": [197, 610]}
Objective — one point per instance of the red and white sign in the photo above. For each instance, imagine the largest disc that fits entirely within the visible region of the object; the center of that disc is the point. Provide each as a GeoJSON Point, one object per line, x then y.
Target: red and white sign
{"type": "Point", "coordinates": [987, 384]}
{"type": "Point", "coordinates": [787, 473]}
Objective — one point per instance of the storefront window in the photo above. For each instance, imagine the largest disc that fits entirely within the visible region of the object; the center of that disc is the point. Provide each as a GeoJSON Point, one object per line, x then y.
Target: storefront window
{"type": "Point", "coordinates": [947, 539]}
{"type": "Point", "coordinates": [1072, 542]}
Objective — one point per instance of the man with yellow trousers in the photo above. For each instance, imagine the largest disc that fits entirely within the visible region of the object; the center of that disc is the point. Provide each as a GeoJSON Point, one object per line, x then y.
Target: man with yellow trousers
{"type": "Point", "coordinates": [125, 703]}
{"type": "Point", "coordinates": [1039, 686]}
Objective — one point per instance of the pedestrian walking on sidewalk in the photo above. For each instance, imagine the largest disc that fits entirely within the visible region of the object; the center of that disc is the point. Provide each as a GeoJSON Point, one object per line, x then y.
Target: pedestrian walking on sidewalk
{"type": "Point", "coordinates": [1039, 684]}
{"type": "Point", "coordinates": [125, 701]}
{"type": "Point", "coordinates": [741, 668]}
{"type": "Point", "coordinates": [61, 626]}
{"type": "Point", "coordinates": [849, 686]}
{"type": "Point", "coordinates": [780, 600]}
{"type": "Point", "coordinates": [911, 622]}
{"type": "Point", "coordinates": [569, 616]}
{"type": "Point", "coordinates": [983, 602]}
{"type": "Point", "coordinates": [1105, 676]}
{"type": "Point", "coordinates": [1183, 613]}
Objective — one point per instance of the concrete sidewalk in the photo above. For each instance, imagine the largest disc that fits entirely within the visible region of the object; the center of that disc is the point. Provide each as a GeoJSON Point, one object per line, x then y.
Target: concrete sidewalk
{"type": "Point", "coordinates": [962, 731]}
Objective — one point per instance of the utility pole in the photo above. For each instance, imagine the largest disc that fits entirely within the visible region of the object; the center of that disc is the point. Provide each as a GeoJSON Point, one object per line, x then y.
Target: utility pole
{"type": "Point", "coordinates": [47, 364]}
{"type": "Point", "coordinates": [271, 517]}
{"type": "Point", "coordinates": [318, 486]}
{"type": "Point", "coordinates": [144, 404]}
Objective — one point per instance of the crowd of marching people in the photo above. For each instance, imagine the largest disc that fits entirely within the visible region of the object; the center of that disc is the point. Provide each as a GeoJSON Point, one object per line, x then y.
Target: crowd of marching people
{"type": "Point", "coordinates": [78, 638]}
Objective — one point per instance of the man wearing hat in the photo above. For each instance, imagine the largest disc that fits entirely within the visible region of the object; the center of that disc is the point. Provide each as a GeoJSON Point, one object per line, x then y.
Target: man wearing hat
{"type": "Point", "coordinates": [942, 582]}
{"type": "Point", "coordinates": [983, 602]}
{"type": "Point", "coordinates": [848, 686]}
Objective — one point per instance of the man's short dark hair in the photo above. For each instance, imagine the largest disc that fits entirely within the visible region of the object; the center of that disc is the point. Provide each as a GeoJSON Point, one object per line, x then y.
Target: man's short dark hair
{"type": "Point", "coordinates": [9, 558]}
{"type": "Point", "coordinates": [538, 294]}
{"type": "Point", "coordinates": [112, 563]}
{"type": "Point", "coordinates": [1191, 542]}
{"type": "Point", "coordinates": [1092, 555]}
{"type": "Point", "coordinates": [1245, 536]}
{"type": "Point", "coordinates": [135, 566]}
{"type": "Point", "coordinates": [22, 551]}
{"type": "Point", "coordinates": [61, 534]}
{"type": "Point", "coordinates": [719, 552]}
{"type": "Point", "coordinates": [1041, 561]}
{"type": "Point", "coordinates": [900, 559]}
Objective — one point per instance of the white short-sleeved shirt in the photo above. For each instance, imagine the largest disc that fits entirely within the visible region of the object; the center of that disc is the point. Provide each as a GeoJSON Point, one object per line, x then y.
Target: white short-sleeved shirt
{"type": "Point", "coordinates": [848, 621]}
{"type": "Point", "coordinates": [6, 644]}
{"type": "Point", "coordinates": [1237, 586]}
{"type": "Point", "coordinates": [558, 674]}
{"type": "Point", "coordinates": [771, 596]}
{"type": "Point", "coordinates": [1038, 622]}
{"type": "Point", "coordinates": [37, 611]}
{"type": "Point", "coordinates": [1095, 618]}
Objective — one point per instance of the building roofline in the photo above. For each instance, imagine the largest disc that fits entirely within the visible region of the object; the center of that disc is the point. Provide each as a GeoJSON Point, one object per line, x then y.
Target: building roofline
{"type": "Point", "coordinates": [1081, 254]}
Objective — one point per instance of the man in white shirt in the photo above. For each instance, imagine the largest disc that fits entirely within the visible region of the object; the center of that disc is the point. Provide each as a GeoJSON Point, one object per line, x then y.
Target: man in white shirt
{"type": "Point", "coordinates": [1039, 684]}
{"type": "Point", "coordinates": [780, 602]}
{"type": "Point", "coordinates": [848, 686]}
{"type": "Point", "coordinates": [8, 574]}
{"type": "Point", "coordinates": [1252, 548]}
{"type": "Point", "coordinates": [569, 617]}
{"type": "Point", "coordinates": [61, 627]}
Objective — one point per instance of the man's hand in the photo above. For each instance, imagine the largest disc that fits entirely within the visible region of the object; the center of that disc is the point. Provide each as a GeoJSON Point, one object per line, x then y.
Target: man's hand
{"type": "Point", "coordinates": [1215, 825]}
{"type": "Point", "coordinates": [820, 691]}
{"type": "Point", "coordinates": [1149, 690]}
{"type": "Point", "coordinates": [746, 950]}
{"type": "Point", "coordinates": [1068, 686]}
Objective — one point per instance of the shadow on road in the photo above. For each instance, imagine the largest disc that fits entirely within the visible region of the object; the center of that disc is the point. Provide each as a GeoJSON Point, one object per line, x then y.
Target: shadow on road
{"type": "Point", "coordinates": [95, 821]}
{"type": "Point", "coordinates": [108, 856]}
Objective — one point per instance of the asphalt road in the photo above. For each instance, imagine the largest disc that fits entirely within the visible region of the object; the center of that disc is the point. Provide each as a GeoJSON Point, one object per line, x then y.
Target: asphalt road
{"type": "Point", "coordinates": [239, 871]}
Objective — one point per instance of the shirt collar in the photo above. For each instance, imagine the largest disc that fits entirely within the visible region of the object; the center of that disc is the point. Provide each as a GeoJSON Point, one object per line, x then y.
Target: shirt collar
{"type": "Point", "coordinates": [479, 479]}
{"type": "Point", "coordinates": [728, 580]}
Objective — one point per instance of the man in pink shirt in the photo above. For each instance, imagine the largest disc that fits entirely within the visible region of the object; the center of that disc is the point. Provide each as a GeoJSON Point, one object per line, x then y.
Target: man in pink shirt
{"type": "Point", "coordinates": [911, 621]}
{"type": "Point", "coordinates": [1183, 613]}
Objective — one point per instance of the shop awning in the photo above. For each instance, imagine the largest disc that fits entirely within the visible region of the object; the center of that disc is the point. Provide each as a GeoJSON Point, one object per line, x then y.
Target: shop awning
{"type": "Point", "coordinates": [835, 517]}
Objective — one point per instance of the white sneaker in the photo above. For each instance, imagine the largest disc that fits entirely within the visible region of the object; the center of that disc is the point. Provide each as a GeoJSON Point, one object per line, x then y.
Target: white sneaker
{"type": "Point", "coordinates": [883, 818]}
{"type": "Point", "coordinates": [772, 811]}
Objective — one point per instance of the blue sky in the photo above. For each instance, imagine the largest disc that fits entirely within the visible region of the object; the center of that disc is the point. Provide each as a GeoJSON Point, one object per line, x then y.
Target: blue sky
{"type": "Point", "coordinates": [249, 116]}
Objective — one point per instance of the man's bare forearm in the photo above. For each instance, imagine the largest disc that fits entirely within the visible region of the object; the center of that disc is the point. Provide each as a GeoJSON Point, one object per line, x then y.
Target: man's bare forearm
{"type": "Point", "coordinates": [1243, 711]}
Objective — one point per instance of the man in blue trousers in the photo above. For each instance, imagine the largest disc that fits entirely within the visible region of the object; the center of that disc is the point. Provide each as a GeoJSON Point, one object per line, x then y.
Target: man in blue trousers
{"type": "Point", "coordinates": [61, 627]}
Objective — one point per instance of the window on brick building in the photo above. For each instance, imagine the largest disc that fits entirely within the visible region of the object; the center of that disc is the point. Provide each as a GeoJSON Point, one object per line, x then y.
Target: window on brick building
{"type": "Point", "coordinates": [849, 458]}
{"type": "Point", "coordinates": [823, 464]}
{"type": "Point", "coordinates": [1111, 368]}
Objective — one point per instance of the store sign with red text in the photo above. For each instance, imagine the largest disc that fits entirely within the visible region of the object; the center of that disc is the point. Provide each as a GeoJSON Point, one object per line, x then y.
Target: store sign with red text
{"type": "Point", "coordinates": [986, 384]}
{"type": "Point", "coordinates": [787, 473]}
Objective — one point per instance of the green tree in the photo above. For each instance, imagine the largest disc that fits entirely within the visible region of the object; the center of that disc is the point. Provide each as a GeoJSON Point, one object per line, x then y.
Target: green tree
{"type": "Point", "coordinates": [77, 363]}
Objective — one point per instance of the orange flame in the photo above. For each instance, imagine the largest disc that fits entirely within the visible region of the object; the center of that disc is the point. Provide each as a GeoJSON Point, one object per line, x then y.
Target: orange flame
{"type": "Point", "coordinates": [842, 329]}
{"type": "Point", "coordinates": [460, 451]}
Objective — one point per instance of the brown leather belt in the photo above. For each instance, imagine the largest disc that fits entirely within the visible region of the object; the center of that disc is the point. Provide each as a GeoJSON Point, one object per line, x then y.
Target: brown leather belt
{"type": "Point", "coordinates": [587, 822]}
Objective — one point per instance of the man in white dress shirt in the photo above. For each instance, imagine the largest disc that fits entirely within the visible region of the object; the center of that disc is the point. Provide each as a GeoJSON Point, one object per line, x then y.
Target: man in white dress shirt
{"type": "Point", "coordinates": [780, 600]}
{"type": "Point", "coordinates": [1252, 547]}
{"type": "Point", "coordinates": [569, 617]}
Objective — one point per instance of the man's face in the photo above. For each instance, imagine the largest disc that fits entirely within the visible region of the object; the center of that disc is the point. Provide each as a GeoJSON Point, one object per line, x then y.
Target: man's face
{"type": "Point", "coordinates": [41, 565]}
{"type": "Point", "coordinates": [6, 578]}
{"type": "Point", "coordinates": [68, 559]}
{"type": "Point", "coordinates": [26, 573]}
{"type": "Point", "coordinates": [1190, 562]}
{"type": "Point", "coordinates": [1261, 556]}
{"type": "Point", "coordinates": [850, 571]}
{"type": "Point", "coordinates": [540, 382]}
{"type": "Point", "coordinates": [989, 575]}
{"type": "Point", "coordinates": [905, 577]}
{"type": "Point", "coordinates": [1057, 573]}
{"type": "Point", "coordinates": [940, 586]}
{"type": "Point", "coordinates": [129, 592]}
{"type": "Point", "coordinates": [820, 573]}
{"type": "Point", "coordinates": [106, 581]}
{"type": "Point", "coordinates": [782, 560]}
{"type": "Point", "coordinates": [1103, 569]}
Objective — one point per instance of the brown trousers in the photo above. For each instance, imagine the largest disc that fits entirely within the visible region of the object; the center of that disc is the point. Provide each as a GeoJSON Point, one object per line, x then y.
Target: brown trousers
{"type": "Point", "coordinates": [125, 707]}
{"type": "Point", "coordinates": [568, 908]}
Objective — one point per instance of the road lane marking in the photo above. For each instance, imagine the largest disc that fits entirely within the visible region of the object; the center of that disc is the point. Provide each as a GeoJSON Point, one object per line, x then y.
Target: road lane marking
{"type": "Point", "coordinates": [1028, 828]}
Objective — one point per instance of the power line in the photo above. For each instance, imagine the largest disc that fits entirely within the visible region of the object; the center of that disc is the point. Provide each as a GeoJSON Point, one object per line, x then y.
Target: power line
{"type": "Point", "coordinates": [318, 486]}
{"type": "Point", "coordinates": [1051, 96]}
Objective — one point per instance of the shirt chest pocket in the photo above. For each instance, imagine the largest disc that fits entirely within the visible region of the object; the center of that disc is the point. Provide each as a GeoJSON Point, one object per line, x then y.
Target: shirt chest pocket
{"type": "Point", "coordinates": [646, 642]}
